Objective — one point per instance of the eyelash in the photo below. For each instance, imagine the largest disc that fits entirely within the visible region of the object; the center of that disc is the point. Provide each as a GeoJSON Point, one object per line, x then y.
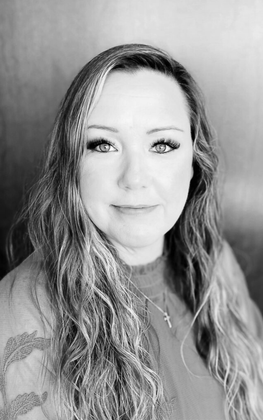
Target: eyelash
{"type": "Point", "coordinates": [169, 142]}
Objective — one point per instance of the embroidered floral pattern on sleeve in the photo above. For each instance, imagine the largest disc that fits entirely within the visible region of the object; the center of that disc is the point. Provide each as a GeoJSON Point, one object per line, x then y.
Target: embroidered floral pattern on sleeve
{"type": "Point", "coordinates": [18, 348]}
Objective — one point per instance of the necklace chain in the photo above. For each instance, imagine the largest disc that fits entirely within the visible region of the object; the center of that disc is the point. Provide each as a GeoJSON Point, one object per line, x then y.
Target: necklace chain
{"type": "Point", "coordinates": [166, 317]}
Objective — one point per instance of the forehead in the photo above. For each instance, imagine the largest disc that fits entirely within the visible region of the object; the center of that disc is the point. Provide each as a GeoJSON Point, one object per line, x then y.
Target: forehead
{"type": "Point", "coordinates": [142, 82]}
{"type": "Point", "coordinates": [142, 94]}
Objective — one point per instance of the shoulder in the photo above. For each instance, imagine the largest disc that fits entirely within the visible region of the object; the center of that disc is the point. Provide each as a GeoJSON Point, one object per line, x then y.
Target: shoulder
{"type": "Point", "coordinates": [24, 339]}
{"type": "Point", "coordinates": [228, 266]}
{"type": "Point", "coordinates": [233, 278]}
{"type": "Point", "coordinates": [23, 297]}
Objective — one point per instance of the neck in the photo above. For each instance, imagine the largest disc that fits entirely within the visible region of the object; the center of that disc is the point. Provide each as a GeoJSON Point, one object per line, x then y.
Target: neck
{"type": "Point", "coordinates": [140, 256]}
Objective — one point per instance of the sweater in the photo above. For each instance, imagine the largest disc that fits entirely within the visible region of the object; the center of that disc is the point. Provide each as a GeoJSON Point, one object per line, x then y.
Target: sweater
{"type": "Point", "coordinates": [191, 392]}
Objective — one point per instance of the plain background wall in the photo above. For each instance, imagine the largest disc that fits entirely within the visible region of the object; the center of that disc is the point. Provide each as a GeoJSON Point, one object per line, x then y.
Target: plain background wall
{"type": "Point", "coordinates": [44, 43]}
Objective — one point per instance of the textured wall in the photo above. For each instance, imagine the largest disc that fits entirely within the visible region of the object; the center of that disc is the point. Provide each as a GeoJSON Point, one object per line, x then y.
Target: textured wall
{"type": "Point", "coordinates": [45, 42]}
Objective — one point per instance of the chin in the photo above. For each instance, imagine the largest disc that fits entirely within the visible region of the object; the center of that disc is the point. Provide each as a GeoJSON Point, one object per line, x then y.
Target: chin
{"type": "Point", "coordinates": [140, 240]}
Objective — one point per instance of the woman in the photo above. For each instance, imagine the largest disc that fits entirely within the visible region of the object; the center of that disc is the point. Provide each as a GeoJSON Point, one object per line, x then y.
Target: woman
{"type": "Point", "coordinates": [131, 306]}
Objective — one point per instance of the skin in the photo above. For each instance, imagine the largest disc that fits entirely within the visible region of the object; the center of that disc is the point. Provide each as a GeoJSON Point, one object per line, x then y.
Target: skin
{"type": "Point", "coordinates": [131, 171]}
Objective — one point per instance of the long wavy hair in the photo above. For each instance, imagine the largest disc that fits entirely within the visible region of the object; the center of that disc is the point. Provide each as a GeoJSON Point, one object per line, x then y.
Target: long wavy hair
{"type": "Point", "coordinates": [100, 352]}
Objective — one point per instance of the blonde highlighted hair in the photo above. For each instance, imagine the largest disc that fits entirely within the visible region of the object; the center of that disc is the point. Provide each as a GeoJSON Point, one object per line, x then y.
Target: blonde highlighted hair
{"type": "Point", "coordinates": [101, 361]}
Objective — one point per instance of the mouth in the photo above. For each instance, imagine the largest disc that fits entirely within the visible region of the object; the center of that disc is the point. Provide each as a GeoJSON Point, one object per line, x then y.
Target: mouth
{"type": "Point", "coordinates": [134, 209]}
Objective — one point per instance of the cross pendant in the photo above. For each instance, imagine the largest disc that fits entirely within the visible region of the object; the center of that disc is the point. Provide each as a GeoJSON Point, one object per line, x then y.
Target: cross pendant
{"type": "Point", "coordinates": [167, 319]}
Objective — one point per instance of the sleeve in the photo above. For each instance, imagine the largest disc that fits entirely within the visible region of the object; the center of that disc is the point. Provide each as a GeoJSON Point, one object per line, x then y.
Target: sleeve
{"type": "Point", "coordinates": [24, 378]}
{"type": "Point", "coordinates": [234, 274]}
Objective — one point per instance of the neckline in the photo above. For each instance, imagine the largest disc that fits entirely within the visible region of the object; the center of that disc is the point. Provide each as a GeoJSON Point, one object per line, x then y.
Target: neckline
{"type": "Point", "coordinates": [150, 278]}
{"type": "Point", "coordinates": [148, 268]}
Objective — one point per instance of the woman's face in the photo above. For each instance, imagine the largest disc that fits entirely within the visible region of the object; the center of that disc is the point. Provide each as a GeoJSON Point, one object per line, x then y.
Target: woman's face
{"type": "Point", "coordinates": [137, 165]}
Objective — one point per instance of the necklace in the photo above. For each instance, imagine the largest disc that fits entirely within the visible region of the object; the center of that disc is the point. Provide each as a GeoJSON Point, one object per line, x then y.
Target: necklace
{"type": "Point", "coordinates": [166, 317]}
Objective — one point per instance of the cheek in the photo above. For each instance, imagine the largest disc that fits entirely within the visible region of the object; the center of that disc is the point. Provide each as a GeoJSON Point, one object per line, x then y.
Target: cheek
{"type": "Point", "coordinates": [175, 187]}
{"type": "Point", "coordinates": [92, 191]}
{"type": "Point", "coordinates": [96, 189]}
{"type": "Point", "coordinates": [92, 187]}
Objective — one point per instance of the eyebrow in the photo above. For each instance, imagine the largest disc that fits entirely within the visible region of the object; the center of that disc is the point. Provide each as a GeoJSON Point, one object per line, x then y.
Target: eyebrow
{"type": "Point", "coordinates": [103, 127]}
{"type": "Point", "coordinates": [154, 130]}
{"type": "Point", "coordinates": [172, 127]}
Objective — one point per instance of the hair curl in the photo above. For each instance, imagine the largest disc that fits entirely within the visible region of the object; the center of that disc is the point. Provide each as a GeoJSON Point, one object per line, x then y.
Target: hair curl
{"type": "Point", "coordinates": [101, 361]}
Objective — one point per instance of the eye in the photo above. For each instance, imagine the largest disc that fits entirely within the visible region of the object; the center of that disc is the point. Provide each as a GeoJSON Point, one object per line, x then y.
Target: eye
{"type": "Point", "coordinates": [165, 146]}
{"type": "Point", "coordinates": [101, 145]}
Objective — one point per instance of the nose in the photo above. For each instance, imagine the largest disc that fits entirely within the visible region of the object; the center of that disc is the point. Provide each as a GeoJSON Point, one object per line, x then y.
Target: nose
{"type": "Point", "coordinates": [134, 173]}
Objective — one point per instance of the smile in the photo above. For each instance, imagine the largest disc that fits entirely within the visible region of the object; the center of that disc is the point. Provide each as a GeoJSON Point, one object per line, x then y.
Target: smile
{"type": "Point", "coordinates": [133, 210]}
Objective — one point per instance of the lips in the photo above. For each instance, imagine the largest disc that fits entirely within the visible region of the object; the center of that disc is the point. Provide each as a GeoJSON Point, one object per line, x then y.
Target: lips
{"type": "Point", "coordinates": [132, 206]}
{"type": "Point", "coordinates": [134, 209]}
